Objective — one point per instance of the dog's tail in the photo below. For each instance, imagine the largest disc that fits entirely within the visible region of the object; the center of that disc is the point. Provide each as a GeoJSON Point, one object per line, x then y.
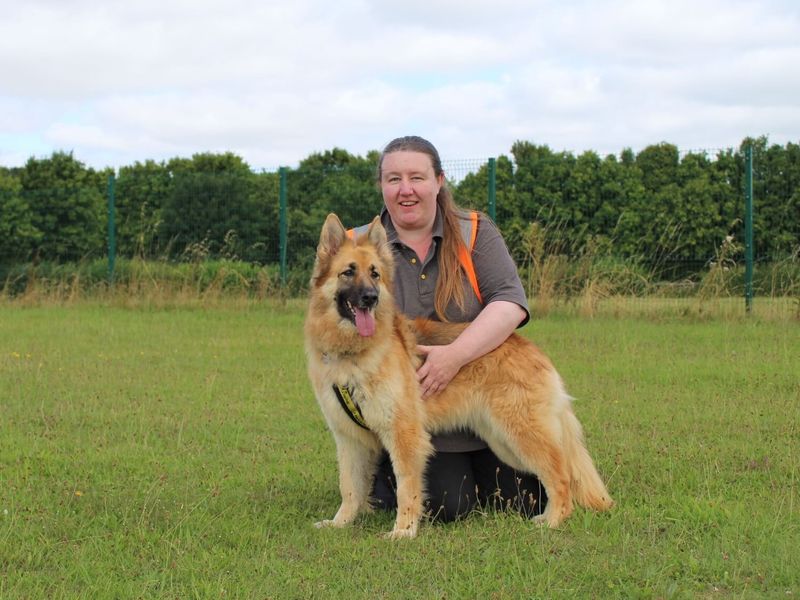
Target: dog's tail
{"type": "Point", "coordinates": [587, 487]}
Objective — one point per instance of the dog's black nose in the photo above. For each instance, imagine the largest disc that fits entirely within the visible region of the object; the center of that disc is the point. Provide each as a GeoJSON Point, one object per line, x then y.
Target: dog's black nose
{"type": "Point", "coordinates": [368, 298]}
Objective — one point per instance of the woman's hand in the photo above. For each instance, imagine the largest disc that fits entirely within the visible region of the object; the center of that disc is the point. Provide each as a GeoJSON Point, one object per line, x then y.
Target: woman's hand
{"type": "Point", "coordinates": [440, 366]}
{"type": "Point", "coordinates": [491, 328]}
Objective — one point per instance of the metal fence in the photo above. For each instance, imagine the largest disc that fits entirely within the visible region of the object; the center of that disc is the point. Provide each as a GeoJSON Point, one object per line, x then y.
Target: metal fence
{"type": "Point", "coordinates": [353, 194]}
{"type": "Point", "coordinates": [611, 222]}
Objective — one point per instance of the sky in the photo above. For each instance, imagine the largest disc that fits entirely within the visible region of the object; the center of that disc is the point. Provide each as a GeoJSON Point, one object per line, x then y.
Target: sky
{"type": "Point", "coordinates": [116, 82]}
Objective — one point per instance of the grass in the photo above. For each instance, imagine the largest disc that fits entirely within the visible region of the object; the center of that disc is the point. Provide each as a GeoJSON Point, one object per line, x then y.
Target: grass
{"type": "Point", "coordinates": [589, 278]}
{"type": "Point", "coordinates": [165, 452]}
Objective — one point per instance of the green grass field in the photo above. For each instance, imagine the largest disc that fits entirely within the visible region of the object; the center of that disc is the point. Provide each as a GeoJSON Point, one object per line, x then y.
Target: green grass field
{"type": "Point", "coordinates": [179, 453]}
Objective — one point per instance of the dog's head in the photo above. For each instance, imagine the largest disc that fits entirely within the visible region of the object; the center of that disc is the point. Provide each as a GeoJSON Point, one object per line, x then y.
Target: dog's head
{"type": "Point", "coordinates": [354, 273]}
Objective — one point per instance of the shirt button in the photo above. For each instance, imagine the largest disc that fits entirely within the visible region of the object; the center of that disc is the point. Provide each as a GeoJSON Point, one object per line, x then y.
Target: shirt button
{"type": "Point", "coordinates": [413, 261]}
{"type": "Point", "coordinates": [423, 276]}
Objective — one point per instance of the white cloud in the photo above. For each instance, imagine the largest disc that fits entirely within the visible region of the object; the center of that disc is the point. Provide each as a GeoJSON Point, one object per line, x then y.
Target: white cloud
{"type": "Point", "coordinates": [274, 81]}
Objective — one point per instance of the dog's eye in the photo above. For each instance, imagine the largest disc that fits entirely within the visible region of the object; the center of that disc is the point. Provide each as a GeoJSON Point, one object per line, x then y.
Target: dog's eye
{"type": "Point", "coordinates": [348, 273]}
{"type": "Point", "coordinates": [375, 275]}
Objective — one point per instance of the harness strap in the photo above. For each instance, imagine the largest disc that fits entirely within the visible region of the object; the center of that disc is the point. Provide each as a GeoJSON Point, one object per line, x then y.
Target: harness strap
{"type": "Point", "coordinates": [345, 397]}
{"type": "Point", "coordinates": [469, 233]}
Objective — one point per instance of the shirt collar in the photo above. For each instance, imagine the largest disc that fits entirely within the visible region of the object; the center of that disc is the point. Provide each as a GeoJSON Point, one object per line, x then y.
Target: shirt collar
{"type": "Point", "coordinates": [391, 232]}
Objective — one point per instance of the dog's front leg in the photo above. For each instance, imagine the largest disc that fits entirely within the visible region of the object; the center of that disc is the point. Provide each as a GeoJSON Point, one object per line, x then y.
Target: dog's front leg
{"type": "Point", "coordinates": [356, 469]}
{"type": "Point", "coordinates": [409, 454]}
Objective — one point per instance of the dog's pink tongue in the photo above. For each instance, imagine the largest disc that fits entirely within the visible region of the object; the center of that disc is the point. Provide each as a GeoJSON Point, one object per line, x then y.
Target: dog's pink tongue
{"type": "Point", "coordinates": [365, 323]}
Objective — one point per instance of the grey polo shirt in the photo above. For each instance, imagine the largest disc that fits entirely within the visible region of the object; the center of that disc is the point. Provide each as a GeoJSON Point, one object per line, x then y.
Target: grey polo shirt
{"type": "Point", "coordinates": [415, 282]}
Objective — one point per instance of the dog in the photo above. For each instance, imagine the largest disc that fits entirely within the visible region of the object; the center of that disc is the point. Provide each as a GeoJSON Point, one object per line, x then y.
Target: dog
{"type": "Point", "coordinates": [362, 364]}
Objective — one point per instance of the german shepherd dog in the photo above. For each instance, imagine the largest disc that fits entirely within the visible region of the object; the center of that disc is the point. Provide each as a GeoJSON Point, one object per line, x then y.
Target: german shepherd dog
{"type": "Point", "coordinates": [512, 397]}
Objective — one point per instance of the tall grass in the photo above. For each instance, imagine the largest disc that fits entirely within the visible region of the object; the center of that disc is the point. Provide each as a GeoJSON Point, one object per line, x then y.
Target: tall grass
{"type": "Point", "coordinates": [152, 282]}
{"type": "Point", "coordinates": [589, 280]}
{"type": "Point", "coordinates": [163, 452]}
{"type": "Point", "coordinates": [591, 277]}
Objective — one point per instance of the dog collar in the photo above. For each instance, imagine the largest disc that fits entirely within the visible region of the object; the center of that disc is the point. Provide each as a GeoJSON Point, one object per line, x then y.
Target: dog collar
{"type": "Point", "coordinates": [345, 397]}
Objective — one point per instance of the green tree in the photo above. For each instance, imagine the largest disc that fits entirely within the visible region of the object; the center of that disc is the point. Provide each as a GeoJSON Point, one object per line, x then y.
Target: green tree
{"type": "Point", "coordinates": [699, 208]}
{"type": "Point", "coordinates": [472, 191]}
{"type": "Point", "coordinates": [18, 236]}
{"type": "Point", "coordinates": [658, 164]}
{"type": "Point", "coordinates": [337, 181]}
{"type": "Point", "coordinates": [662, 231]}
{"type": "Point", "coordinates": [265, 202]}
{"type": "Point", "coordinates": [582, 200]}
{"type": "Point", "coordinates": [776, 178]}
{"type": "Point", "coordinates": [141, 192]}
{"type": "Point", "coordinates": [211, 209]}
{"type": "Point", "coordinates": [331, 181]}
{"type": "Point", "coordinates": [727, 176]}
{"type": "Point", "coordinates": [540, 179]}
{"type": "Point", "coordinates": [68, 207]}
{"type": "Point", "coordinates": [792, 221]}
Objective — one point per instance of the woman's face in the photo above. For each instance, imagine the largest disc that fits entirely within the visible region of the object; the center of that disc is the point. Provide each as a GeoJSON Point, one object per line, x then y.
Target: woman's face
{"type": "Point", "coordinates": [410, 186]}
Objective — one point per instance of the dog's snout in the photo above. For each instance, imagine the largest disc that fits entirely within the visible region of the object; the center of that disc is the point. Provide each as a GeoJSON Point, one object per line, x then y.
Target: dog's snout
{"type": "Point", "coordinates": [368, 298]}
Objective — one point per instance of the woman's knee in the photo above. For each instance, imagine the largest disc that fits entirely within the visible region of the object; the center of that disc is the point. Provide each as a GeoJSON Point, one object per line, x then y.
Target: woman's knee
{"type": "Point", "coordinates": [503, 488]}
{"type": "Point", "coordinates": [450, 487]}
{"type": "Point", "coordinates": [450, 505]}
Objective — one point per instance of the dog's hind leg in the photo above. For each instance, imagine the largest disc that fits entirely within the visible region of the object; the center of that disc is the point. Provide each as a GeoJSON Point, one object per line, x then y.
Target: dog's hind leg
{"type": "Point", "coordinates": [538, 450]}
{"type": "Point", "coordinates": [546, 460]}
{"type": "Point", "coordinates": [553, 472]}
{"type": "Point", "coordinates": [357, 464]}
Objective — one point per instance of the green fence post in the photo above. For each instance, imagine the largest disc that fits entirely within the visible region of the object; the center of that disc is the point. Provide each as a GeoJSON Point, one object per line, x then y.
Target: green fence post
{"type": "Point", "coordinates": [748, 229]}
{"type": "Point", "coordinates": [492, 188]}
{"type": "Point", "coordinates": [283, 232]}
{"type": "Point", "coordinates": [112, 229]}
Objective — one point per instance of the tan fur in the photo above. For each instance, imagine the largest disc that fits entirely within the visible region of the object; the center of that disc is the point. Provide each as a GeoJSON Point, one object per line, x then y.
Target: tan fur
{"type": "Point", "coordinates": [512, 397]}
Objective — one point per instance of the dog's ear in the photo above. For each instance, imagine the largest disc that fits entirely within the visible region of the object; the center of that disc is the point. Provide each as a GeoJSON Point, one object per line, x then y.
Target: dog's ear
{"type": "Point", "coordinates": [332, 236]}
{"type": "Point", "coordinates": [376, 233]}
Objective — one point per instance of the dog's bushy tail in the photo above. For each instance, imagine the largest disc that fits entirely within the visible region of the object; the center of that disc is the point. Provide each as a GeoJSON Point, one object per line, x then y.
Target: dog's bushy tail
{"type": "Point", "coordinates": [587, 487]}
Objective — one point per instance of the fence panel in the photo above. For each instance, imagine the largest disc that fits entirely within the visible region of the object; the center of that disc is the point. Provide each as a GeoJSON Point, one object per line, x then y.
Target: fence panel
{"type": "Point", "coordinates": [658, 223]}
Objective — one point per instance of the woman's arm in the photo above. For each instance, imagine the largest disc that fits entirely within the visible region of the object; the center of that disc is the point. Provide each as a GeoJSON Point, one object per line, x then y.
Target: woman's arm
{"type": "Point", "coordinates": [491, 327]}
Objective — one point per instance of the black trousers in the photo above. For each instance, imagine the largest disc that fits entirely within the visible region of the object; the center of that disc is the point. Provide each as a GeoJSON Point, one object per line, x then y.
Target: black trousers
{"type": "Point", "coordinates": [458, 482]}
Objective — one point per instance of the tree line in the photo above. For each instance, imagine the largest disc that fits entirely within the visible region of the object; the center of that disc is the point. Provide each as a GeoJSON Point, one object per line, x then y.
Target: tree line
{"type": "Point", "coordinates": [654, 203]}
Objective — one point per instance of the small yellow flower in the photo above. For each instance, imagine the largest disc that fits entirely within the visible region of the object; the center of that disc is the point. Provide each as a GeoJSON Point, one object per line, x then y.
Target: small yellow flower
{"type": "Point", "coordinates": [78, 493]}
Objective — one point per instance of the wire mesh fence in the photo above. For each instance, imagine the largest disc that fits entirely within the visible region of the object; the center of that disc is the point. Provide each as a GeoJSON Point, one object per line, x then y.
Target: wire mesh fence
{"type": "Point", "coordinates": [660, 223]}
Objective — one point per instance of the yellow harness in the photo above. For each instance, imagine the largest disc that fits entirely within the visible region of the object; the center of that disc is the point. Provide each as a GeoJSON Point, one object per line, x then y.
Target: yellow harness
{"type": "Point", "coordinates": [345, 397]}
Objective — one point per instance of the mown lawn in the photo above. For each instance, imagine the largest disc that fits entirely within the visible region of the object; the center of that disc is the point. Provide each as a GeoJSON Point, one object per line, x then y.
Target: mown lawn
{"type": "Point", "coordinates": [177, 453]}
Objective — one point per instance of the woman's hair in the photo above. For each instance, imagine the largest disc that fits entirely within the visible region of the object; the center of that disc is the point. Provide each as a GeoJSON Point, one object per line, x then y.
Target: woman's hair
{"type": "Point", "coordinates": [449, 286]}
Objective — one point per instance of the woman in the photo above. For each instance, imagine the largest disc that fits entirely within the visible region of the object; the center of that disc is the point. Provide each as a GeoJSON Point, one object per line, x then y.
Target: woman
{"type": "Point", "coordinates": [423, 225]}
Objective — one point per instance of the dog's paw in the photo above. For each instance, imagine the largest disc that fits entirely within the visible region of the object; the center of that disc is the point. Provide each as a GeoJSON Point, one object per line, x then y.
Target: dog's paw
{"type": "Point", "coordinates": [326, 523]}
{"type": "Point", "coordinates": [549, 519]}
{"type": "Point", "coordinates": [401, 534]}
